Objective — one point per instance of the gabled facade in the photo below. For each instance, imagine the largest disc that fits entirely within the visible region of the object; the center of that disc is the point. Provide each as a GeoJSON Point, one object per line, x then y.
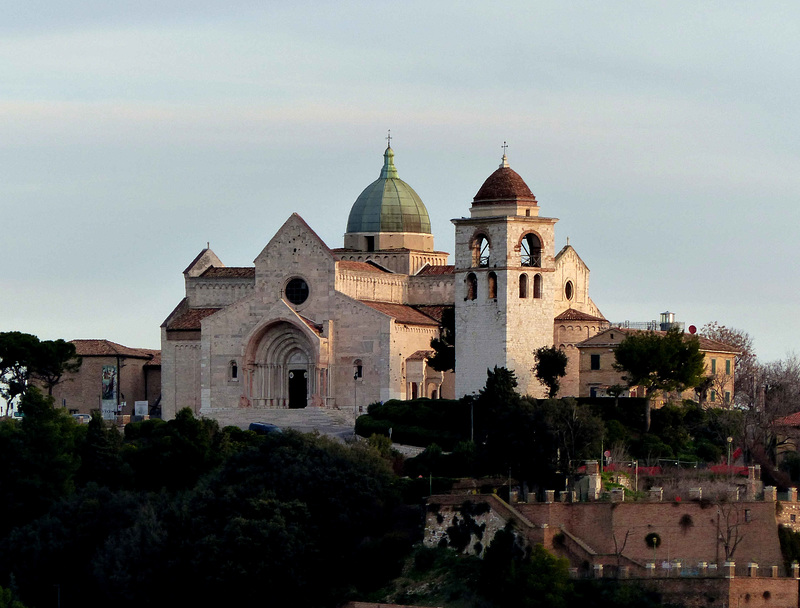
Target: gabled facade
{"type": "Point", "coordinates": [307, 325]}
{"type": "Point", "coordinates": [111, 378]}
{"type": "Point", "coordinates": [597, 373]}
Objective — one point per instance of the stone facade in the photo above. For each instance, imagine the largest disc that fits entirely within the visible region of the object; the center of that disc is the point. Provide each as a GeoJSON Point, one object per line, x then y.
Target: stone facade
{"type": "Point", "coordinates": [307, 325]}
{"type": "Point", "coordinates": [511, 288]}
{"type": "Point", "coordinates": [597, 373]}
{"type": "Point", "coordinates": [136, 377]}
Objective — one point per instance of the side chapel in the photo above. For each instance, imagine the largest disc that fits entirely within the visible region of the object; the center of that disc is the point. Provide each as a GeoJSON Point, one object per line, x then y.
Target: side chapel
{"type": "Point", "coordinates": [308, 325]}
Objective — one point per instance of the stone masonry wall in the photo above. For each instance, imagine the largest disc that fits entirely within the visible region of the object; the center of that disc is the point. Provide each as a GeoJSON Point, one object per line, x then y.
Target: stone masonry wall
{"type": "Point", "coordinates": [468, 526]}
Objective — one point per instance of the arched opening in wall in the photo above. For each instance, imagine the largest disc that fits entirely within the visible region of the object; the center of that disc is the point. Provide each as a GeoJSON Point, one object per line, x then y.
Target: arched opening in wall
{"type": "Point", "coordinates": [433, 392]}
{"type": "Point", "coordinates": [492, 285]}
{"type": "Point", "coordinates": [472, 286]}
{"type": "Point", "coordinates": [282, 367]}
{"type": "Point", "coordinates": [481, 251]}
{"type": "Point", "coordinates": [414, 390]}
{"type": "Point", "coordinates": [523, 286]}
{"type": "Point", "coordinates": [233, 371]}
{"type": "Point", "coordinates": [531, 251]}
{"type": "Point", "coordinates": [358, 369]}
{"type": "Point", "coordinates": [537, 286]}
{"type": "Point", "coordinates": [569, 290]}
{"type": "Point", "coordinates": [298, 388]}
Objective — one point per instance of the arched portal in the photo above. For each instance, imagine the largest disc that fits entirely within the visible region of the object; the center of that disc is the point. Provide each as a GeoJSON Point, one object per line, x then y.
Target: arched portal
{"type": "Point", "coordinates": [283, 368]}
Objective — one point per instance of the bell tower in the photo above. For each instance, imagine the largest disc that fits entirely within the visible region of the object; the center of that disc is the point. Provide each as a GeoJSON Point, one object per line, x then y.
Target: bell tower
{"type": "Point", "coordinates": [504, 283]}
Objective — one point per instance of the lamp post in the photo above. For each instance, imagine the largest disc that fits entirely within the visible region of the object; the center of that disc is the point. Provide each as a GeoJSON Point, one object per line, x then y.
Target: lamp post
{"type": "Point", "coordinates": [730, 443]}
{"type": "Point", "coordinates": [472, 420]}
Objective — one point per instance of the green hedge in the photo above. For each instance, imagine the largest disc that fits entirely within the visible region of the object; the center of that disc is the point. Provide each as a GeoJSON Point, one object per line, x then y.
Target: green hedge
{"type": "Point", "coordinates": [418, 422]}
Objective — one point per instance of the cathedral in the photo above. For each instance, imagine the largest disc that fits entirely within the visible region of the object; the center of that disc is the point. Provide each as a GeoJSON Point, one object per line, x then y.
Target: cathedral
{"type": "Point", "coordinates": [308, 325]}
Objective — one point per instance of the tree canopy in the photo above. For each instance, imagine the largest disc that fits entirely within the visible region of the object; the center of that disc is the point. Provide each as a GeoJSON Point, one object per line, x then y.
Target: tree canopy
{"type": "Point", "coordinates": [746, 364]}
{"type": "Point", "coordinates": [444, 347]}
{"type": "Point", "coordinates": [17, 355]}
{"type": "Point", "coordinates": [551, 366]}
{"type": "Point", "coordinates": [24, 357]}
{"type": "Point", "coordinates": [659, 362]}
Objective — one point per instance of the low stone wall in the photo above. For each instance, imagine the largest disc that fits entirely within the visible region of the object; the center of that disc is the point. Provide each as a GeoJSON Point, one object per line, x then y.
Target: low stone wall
{"type": "Point", "coordinates": [449, 519]}
{"type": "Point", "coordinates": [752, 592]}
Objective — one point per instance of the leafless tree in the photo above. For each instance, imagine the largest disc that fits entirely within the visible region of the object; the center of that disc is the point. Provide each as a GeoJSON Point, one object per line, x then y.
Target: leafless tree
{"type": "Point", "coordinates": [618, 549]}
{"type": "Point", "coordinates": [778, 396]}
{"type": "Point", "coordinates": [745, 364]}
{"type": "Point", "coordinates": [721, 384]}
{"type": "Point", "coordinates": [730, 518]}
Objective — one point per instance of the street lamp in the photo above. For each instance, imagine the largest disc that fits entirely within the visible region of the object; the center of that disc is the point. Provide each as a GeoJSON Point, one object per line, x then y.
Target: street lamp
{"type": "Point", "coordinates": [730, 443]}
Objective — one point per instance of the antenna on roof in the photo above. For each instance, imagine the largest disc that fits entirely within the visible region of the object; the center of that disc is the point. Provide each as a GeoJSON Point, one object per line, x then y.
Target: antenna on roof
{"type": "Point", "coordinates": [389, 138]}
{"type": "Point", "coordinates": [208, 244]}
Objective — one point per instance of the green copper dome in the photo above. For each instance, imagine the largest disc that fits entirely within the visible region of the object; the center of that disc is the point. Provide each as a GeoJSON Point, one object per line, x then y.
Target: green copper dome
{"type": "Point", "coordinates": [389, 205]}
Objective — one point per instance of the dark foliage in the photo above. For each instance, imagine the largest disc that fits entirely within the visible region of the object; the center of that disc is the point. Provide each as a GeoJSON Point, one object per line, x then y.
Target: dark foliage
{"type": "Point", "coordinates": [24, 357]}
{"type": "Point", "coordinates": [418, 422]}
{"type": "Point", "coordinates": [551, 366]}
{"type": "Point", "coordinates": [184, 512]}
{"type": "Point", "coordinates": [659, 362]}
{"type": "Point", "coordinates": [39, 460]}
{"type": "Point", "coordinates": [790, 546]}
{"type": "Point", "coordinates": [444, 347]}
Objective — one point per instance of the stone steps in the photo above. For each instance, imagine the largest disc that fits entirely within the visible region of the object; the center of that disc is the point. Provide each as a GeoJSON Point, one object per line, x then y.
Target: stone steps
{"type": "Point", "coordinates": [304, 420]}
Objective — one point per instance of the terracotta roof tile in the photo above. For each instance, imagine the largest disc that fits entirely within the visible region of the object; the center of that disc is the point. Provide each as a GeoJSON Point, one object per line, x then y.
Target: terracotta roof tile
{"type": "Point", "coordinates": [155, 361]}
{"type": "Point", "coordinates": [106, 348]}
{"type": "Point", "coordinates": [790, 420]}
{"type": "Point", "coordinates": [229, 272]}
{"type": "Point", "coordinates": [420, 355]}
{"type": "Point", "coordinates": [706, 344]}
{"type": "Point", "coordinates": [576, 315]}
{"type": "Point", "coordinates": [317, 327]}
{"type": "Point", "coordinates": [358, 266]}
{"type": "Point", "coordinates": [189, 319]}
{"type": "Point", "coordinates": [714, 345]}
{"type": "Point", "coordinates": [401, 313]}
{"type": "Point", "coordinates": [429, 270]}
{"type": "Point", "coordinates": [434, 312]}
{"type": "Point", "coordinates": [505, 184]}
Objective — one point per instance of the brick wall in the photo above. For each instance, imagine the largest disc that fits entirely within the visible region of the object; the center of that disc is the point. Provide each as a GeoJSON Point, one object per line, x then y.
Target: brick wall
{"type": "Point", "coordinates": [739, 592]}
{"type": "Point", "coordinates": [688, 530]}
{"type": "Point", "coordinates": [81, 391]}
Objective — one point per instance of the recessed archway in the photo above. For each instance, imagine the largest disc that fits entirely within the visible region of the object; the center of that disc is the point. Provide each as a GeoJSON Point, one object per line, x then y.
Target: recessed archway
{"type": "Point", "coordinates": [282, 366]}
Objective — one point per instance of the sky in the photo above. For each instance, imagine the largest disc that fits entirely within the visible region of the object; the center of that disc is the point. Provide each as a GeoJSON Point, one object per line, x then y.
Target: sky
{"type": "Point", "coordinates": [663, 135]}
